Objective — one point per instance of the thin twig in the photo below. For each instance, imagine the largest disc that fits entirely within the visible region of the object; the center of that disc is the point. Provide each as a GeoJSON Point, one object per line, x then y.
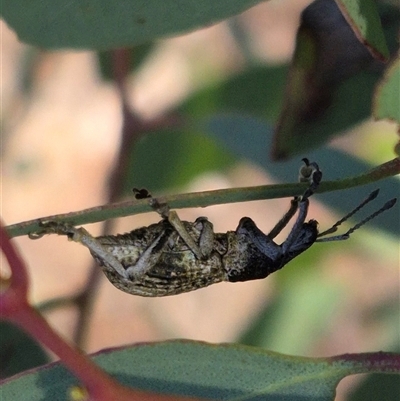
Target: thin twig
{"type": "Point", "coordinates": [206, 198]}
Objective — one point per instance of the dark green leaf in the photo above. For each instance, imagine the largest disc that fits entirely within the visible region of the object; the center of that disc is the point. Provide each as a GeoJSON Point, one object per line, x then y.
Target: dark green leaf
{"type": "Point", "coordinates": [176, 157]}
{"type": "Point", "coordinates": [257, 91]}
{"type": "Point", "coordinates": [18, 352]}
{"type": "Point", "coordinates": [300, 313]}
{"type": "Point", "coordinates": [331, 79]}
{"type": "Point", "coordinates": [101, 24]}
{"type": "Point", "coordinates": [387, 95]}
{"type": "Point", "coordinates": [377, 387]}
{"type": "Point", "coordinates": [363, 17]}
{"type": "Point", "coordinates": [223, 372]}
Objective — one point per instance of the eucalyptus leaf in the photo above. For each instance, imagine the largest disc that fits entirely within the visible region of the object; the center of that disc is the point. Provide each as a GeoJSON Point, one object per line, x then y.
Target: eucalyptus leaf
{"type": "Point", "coordinates": [177, 156]}
{"type": "Point", "coordinates": [223, 372]}
{"type": "Point", "coordinates": [325, 75]}
{"type": "Point", "coordinates": [18, 351]}
{"type": "Point", "coordinates": [387, 95]}
{"type": "Point", "coordinates": [363, 17]}
{"type": "Point", "coordinates": [101, 24]}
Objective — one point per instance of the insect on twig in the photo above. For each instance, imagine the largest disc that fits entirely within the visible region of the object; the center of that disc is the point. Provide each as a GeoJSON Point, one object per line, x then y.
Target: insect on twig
{"type": "Point", "coordinates": [175, 256]}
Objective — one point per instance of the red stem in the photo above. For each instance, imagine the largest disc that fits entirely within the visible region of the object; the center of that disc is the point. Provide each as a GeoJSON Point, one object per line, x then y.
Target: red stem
{"type": "Point", "coordinates": [20, 280]}
{"type": "Point", "coordinates": [384, 362]}
{"type": "Point", "coordinates": [14, 307]}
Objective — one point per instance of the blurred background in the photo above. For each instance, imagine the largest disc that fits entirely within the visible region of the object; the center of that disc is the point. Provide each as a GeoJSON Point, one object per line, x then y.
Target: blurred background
{"type": "Point", "coordinates": [61, 136]}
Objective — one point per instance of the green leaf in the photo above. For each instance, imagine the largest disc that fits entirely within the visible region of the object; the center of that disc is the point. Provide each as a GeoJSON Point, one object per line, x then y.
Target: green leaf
{"type": "Point", "coordinates": [387, 94]}
{"type": "Point", "coordinates": [176, 157]}
{"type": "Point", "coordinates": [18, 352]}
{"type": "Point", "coordinates": [377, 387]}
{"type": "Point", "coordinates": [223, 372]}
{"type": "Point", "coordinates": [104, 24]}
{"type": "Point", "coordinates": [363, 17]}
{"type": "Point", "coordinates": [257, 91]}
{"type": "Point", "coordinates": [302, 310]}
{"type": "Point", "coordinates": [331, 79]}
{"type": "Point", "coordinates": [318, 100]}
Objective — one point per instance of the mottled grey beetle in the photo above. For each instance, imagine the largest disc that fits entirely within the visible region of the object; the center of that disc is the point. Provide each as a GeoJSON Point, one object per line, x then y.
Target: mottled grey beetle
{"type": "Point", "coordinates": [174, 256]}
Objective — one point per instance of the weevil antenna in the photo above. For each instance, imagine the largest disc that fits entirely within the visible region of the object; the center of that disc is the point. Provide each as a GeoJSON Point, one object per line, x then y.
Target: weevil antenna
{"type": "Point", "coordinates": [334, 228]}
{"type": "Point", "coordinates": [388, 205]}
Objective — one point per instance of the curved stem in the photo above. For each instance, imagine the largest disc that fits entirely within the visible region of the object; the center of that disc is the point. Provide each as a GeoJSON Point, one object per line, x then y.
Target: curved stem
{"type": "Point", "coordinates": [372, 362]}
{"type": "Point", "coordinates": [206, 198]}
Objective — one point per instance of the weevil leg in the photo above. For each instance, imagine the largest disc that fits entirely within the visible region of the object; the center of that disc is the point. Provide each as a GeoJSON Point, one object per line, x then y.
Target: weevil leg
{"type": "Point", "coordinates": [83, 237]}
{"type": "Point", "coordinates": [206, 240]}
{"type": "Point", "coordinates": [296, 229]}
{"type": "Point", "coordinates": [141, 193]}
{"type": "Point", "coordinates": [301, 237]}
{"type": "Point", "coordinates": [176, 222]}
{"type": "Point", "coordinates": [151, 255]}
{"type": "Point", "coordinates": [309, 172]}
{"type": "Point", "coordinates": [262, 241]}
{"type": "Point", "coordinates": [173, 218]}
{"type": "Point", "coordinates": [282, 223]}
{"type": "Point", "coordinates": [313, 174]}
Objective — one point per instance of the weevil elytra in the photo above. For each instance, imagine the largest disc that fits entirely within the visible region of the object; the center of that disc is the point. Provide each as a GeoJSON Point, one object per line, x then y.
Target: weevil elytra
{"type": "Point", "coordinates": [174, 256]}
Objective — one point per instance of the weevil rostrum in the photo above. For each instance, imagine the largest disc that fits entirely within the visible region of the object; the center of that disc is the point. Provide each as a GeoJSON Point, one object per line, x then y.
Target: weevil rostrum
{"type": "Point", "coordinates": [174, 256]}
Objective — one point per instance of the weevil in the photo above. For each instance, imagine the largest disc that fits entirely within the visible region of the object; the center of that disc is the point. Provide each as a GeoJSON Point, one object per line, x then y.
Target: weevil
{"type": "Point", "coordinates": [175, 256]}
